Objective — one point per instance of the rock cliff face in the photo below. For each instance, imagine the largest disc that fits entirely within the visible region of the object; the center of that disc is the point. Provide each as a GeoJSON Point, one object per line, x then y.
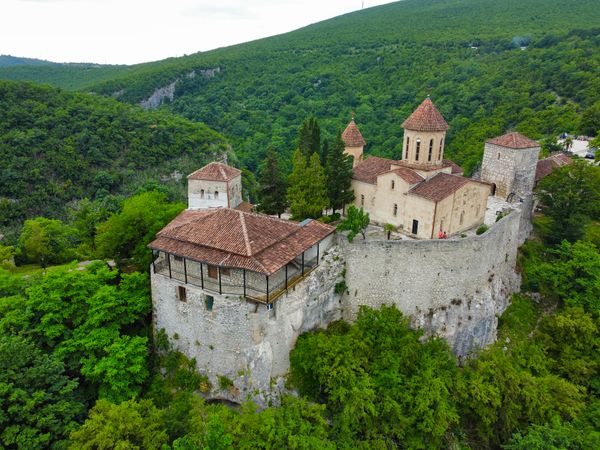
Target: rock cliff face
{"type": "Point", "coordinates": [168, 92]}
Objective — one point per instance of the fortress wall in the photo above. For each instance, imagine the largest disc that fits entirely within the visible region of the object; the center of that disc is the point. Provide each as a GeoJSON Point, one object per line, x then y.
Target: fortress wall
{"type": "Point", "coordinates": [455, 288]}
{"type": "Point", "coordinates": [243, 340]}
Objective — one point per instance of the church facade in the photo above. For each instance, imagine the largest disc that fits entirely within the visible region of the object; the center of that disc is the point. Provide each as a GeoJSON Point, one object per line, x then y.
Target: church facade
{"type": "Point", "coordinates": [423, 195]}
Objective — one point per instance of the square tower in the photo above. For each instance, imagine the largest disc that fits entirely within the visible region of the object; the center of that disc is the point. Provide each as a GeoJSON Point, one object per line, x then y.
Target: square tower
{"type": "Point", "coordinates": [215, 185]}
{"type": "Point", "coordinates": [509, 163]}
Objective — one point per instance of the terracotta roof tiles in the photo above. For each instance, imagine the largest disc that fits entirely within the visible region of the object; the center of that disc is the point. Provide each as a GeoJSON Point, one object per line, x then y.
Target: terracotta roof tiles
{"type": "Point", "coordinates": [215, 171]}
{"type": "Point", "coordinates": [352, 137]}
{"type": "Point", "coordinates": [545, 166]}
{"type": "Point", "coordinates": [439, 186]}
{"type": "Point", "coordinates": [236, 239]}
{"type": "Point", "coordinates": [408, 175]}
{"type": "Point", "coordinates": [513, 140]}
{"type": "Point", "coordinates": [425, 118]}
{"type": "Point", "coordinates": [368, 170]}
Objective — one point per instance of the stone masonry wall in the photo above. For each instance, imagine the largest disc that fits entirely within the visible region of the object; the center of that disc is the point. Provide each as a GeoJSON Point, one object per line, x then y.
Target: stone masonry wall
{"type": "Point", "coordinates": [244, 340]}
{"type": "Point", "coordinates": [454, 288]}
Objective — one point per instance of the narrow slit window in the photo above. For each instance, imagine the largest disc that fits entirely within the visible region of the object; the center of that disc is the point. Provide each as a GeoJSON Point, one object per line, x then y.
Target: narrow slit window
{"type": "Point", "coordinates": [440, 149]}
{"type": "Point", "coordinates": [201, 193]}
{"type": "Point", "coordinates": [418, 149]}
{"type": "Point", "coordinates": [216, 195]}
{"type": "Point", "coordinates": [407, 145]}
{"type": "Point", "coordinates": [393, 184]}
{"type": "Point", "coordinates": [362, 200]}
{"type": "Point", "coordinates": [430, 150]}
{"type": "Point", "coordinates": [395, 209]}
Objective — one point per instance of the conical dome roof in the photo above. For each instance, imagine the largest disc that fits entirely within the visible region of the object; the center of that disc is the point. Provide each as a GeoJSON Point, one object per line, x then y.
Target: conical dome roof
{"type": "Point", "coordinates": [352, 137]}
{"type": "Point", "coordinates": [426, 118]}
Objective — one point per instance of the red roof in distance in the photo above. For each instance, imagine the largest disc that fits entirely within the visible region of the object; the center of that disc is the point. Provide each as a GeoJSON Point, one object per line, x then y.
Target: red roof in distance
{"type": "Point", "coordinates": [425, 118]}
{"type": "Point", "coordinates": [513, 140]}
{"type": "Point", "coordinates": [215, 171]}
{"type": "Point", "coordinates": [352, 137]}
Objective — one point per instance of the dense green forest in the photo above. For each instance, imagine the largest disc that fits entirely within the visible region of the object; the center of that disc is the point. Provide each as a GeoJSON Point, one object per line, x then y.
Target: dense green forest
{"type": "Point", "coordinates": [381, 62]}
{"type": "Point", "coordinates": [58, 147]}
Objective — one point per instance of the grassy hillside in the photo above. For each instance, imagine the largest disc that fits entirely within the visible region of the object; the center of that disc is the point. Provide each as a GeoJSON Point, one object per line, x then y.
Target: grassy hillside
{"type": "Point", "coordinates": [56, 147]}
{"type": "Point", "coordinates": [381, 62]}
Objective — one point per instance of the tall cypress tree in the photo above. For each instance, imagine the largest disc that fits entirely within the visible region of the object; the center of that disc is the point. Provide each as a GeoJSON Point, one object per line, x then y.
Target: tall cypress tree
{"type": "Point", "coordinates": [307, 191]}
{"type": "Point", "coordinates": [339, 175]}
{"type": "Point", "coordinates": [309, 137]}
{"type": "Point", "coordinates": [272, 186]}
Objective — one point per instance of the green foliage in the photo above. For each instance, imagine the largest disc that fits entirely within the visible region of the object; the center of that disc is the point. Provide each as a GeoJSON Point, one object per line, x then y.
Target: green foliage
{"type": "Point", "coordinates": [45, 241]}
{"type": "Point", "coordinates": [570, 197]}
{"type": "Point", "coordinates": [481, 229]}
{"type": "Point", "coordinates": [272, 189]}
{"type": "Point", "coordinates": [57, 146]}
{"type": "Point", "coordinates": [125, 235]}
{"type": "Point", "coordinates": [356, 221]}
{"type": "Point", "coordinates": [37, 399]}
{"type": "Point", "coordinates": [380, 383]}
{"type": "Point", "coordinates": [7, 254]}
{"type": "Point", "coordinates": [307, 190]}
{"type": "Point", "coordinates": [224, 382]}
{"type": "Point", "coordinates": [309, 138]}
{"type": "Point", "coordinates": [128, 425]}
{"type": "Point", "coordinates": [339, 175]}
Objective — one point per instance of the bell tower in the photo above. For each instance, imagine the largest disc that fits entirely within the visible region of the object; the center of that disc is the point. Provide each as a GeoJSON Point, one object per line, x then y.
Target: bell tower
{"type": "Point", "coordinates": [424, 136]}
{"type": "Point", "coordinates": [354, 142]}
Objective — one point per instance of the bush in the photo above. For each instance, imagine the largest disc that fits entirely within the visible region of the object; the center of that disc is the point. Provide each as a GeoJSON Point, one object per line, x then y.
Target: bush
{"type": "Point", "coordinates": [481, 229]}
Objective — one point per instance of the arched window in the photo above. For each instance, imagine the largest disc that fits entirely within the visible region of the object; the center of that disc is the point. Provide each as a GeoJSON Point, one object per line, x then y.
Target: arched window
{"type": "Point", "coordinates": [393, 184]}
{"type": "Point", "coordinates": [407, 145]}
{"type": "Point", "coordinates": [440, 149]}
{"type": "Point", "coordinates": [362, 199]}
{"type": "Point", "coordinates": [418, 149]}
{"type": "Point", "coordinates": [201, 193]}
{"type": "Point", "coordinates": [462, 217]}
{"type": "Point", "coordinates": [395, 209]}
{"type": "Point", "coordinates": [430, 150]}
{"type": "Point", "coordinates": [216, 195]}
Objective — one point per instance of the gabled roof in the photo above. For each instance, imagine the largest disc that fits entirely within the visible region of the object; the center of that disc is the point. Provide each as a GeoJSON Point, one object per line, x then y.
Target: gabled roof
{"type": "Point", "coordinates": [215, 171]}
{"type": "Point", "coordinates": [230, 238]}
{"type": "Point", "coordinates": [368, 170]}
{"type": "Point", "coordinates": [439, 186]}
{"type": "Point", "coordinates": [545, 166]}
{"type": "Point", "coordinates": [513, 140]}
{"type": "Point", "coordinates": [425, 118]}
{"type": "Point", "coordinates": [352, 137]}
{"type": "Point", "coordinates": [408, 175]}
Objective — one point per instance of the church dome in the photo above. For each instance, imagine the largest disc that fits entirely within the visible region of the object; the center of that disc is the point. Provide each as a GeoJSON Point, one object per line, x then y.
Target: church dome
{"type": "Point", "coordinates": [426, 118]}
{"type": "Point", "coordinates": [352, 137]}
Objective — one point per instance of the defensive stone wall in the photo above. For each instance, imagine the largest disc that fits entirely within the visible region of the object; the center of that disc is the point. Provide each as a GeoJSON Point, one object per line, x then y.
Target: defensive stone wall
{"type": "Point", "coordinates": [453, 288]}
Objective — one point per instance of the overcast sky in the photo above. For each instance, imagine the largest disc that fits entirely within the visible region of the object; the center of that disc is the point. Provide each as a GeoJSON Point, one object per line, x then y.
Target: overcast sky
{"type": "Point", "coordinates": [132, 31]}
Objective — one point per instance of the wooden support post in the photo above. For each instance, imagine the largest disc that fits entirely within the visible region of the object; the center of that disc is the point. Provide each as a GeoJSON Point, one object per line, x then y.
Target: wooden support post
{"type": "Point", "coordinates": [267, 276]}
{"type": "Point", "coordinates": [185, 270]}
{"type": "Point", "coordinates": [169, 259]}
{"type": "Point", "coordinates": [244, 271]}
{"type": "Point", "coordinates": [202, 275]}
{"type": "Point", "coordinates": [220, 290]}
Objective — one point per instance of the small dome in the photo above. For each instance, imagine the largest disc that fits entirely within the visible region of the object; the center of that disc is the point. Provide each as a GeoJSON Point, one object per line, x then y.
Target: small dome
{"type": "Point", "coordinates": [352, 137]}
{"type": "Point", "coordinates": [426, 118]}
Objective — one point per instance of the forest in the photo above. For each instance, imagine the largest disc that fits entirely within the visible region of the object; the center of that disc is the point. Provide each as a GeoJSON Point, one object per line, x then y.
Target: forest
{"type": "Point", "coordinates": [88, 177]}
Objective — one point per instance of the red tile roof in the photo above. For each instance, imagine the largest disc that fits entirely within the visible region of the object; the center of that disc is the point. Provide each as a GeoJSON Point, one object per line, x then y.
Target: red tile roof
{"type": "Point", "coordinates": [245, 207]}
{"type": "Point", "coordinates": [215, 171]}
{"type": "Point", "coordinates": [352, 137]}
{"type": "Point", "coordinates": [513, 140]}
{"type": "Point", "coordinates": [456, 169]}
{"type": "Point", "coordinates": [547, 165]}
{"type": "Point", "coordinates": [368, 169]}
{"type": "Point", "coordinates": [236, 239]}
{"type": "Point", "coordinates": [439, 186]}
{"type": "Point", "coordinates": [408, 175]}
{"type": "Point", "coordinates": [425, 118]}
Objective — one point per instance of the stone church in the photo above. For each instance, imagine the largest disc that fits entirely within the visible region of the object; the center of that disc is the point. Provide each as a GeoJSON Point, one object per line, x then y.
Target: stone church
{"type": "Point", "coordinates": [422, 194]}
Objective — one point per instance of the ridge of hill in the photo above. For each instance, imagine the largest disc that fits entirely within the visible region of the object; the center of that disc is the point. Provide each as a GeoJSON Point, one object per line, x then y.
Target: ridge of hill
{"type": "Point", "coordinates": [489, 66]}
{"type": "Point", "coordinates": [57, 147]}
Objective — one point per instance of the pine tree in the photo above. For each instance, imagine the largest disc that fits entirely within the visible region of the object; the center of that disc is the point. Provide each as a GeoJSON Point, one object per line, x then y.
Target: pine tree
{"type": "Point", "coordinates": [339, 175]}
{"type": "Point", "coordinates": [309, 137]}
{"type": "Point", "coordinates": [272, 186]}
{"type": "Point", "coordinates": [307, 191]}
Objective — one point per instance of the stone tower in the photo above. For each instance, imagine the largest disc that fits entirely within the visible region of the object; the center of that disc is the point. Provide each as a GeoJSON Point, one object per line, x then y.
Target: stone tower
{"type": "Point", "coordinates": [509, 163]}
{"type": "Point", "coordinates": [354, 142]}
{"type": "Point", "coordinates": [215, 185]}
{"type": "Point", "coordinates": [424, 136]}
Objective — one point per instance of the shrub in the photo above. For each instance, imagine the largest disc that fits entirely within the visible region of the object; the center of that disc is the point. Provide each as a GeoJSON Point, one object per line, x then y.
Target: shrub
{"type": "Point", "coordinates": [481, 229]}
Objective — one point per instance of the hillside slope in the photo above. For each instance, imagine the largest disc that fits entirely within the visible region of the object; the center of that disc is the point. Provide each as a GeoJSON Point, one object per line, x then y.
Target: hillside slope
{"type": "Point", "coordinates": [381, 62]}
{"type": "Point", "coordinates": [56, 147]}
